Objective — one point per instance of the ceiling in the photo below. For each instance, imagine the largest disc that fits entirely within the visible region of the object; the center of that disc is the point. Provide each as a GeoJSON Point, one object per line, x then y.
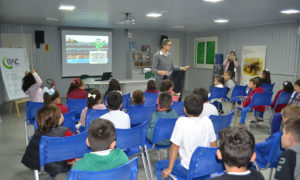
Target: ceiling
{"type": "Point", "coordinates": [192, 14]}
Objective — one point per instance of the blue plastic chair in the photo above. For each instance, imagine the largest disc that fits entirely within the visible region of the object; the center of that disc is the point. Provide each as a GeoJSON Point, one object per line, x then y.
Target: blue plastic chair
{"type": "Point", "coordinates": [178, 107]}
{"type": "Point", "coordinates": [31, 110]}
{"type": "Point", "coordinates": [218, 93]}
{"type": "Point", "coordinates": [93, 114]}
{"type": "Point", "coordinates": [150, 99]}
{"type": "Point", "coordinates": [268, 87]}
{"type": "Point", "coordinates": [204, 162]}
{"type": "Point", "coordinates": [127, 171]}
{"type": "Point", "coordinates": [132, 139]}
{"type": "Point", "coordinates": [139, 114]}
{"type": "Point", "coordinates": [269, 152]}
{"type": "Point", "coordinates": [283, 98]}
{"type": "Point", "coordinates": [163, 131]}
{"type": "Point", "coordinates": [220, 122]}
{"type": "Point", "coordinates": [76, 105]}
{"type": "Point", "coordinates": [53, 149]}
{"type": "Point", "coordinates": [69, 121]}
{"type": "Point", "coordinates": [238, 93]}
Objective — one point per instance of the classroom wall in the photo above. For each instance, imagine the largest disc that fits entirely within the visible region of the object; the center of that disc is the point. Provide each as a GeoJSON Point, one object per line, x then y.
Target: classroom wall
{"type": "Point", "coordinates": [281, 39]}
{"type": "Point", "coordinates": [48, 64]}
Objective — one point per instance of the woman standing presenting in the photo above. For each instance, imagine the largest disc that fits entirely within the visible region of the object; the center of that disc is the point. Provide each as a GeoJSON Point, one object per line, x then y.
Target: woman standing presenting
{"type": "Point", "coordinates": [162, 64]}
{"type": "Point", "coordinates": [231, 65]}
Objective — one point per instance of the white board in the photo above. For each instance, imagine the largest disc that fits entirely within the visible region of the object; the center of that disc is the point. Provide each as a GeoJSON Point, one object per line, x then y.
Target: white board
{"type": "Point", "coordinates": [14, 63]}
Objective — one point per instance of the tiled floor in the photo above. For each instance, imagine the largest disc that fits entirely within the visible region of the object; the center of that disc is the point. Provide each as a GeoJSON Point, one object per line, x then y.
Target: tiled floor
{"type": "Point", "coordinates": [12, 146]}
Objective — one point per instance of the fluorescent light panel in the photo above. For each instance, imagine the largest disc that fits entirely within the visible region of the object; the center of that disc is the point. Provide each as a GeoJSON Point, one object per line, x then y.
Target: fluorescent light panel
{"type": "Point", "coordinates": [221, 21]}
{"type": "Point", "coordinates": [290, 11]}
{"type": "Point", "coordinates": [212, 1]}
{"type": "Point", "coordinates": [155, 15]}
{"type": "Point", "coordinates": [66, 7]}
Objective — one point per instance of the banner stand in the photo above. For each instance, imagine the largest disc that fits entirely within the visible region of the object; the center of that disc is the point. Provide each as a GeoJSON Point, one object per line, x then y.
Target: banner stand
{"type": "Point", "coordinates": [17, 102]}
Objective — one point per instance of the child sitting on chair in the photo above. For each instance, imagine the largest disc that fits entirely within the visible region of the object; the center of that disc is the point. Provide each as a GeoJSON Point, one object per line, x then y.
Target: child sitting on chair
{"type": "Point", "coordinates": [119, 118]}
{"type": "Point", "coordinates": [165, 102]}
{"type": "Point", "coordinates": [76, 90]}
{"type": "Point", "coordinates": [168, 85]}
{"type": "Point", "coordinates": [228, 82]}
{"type": "Point", "coordinates": [54, 98]}
{"type": "Point", "coordinates": [288, 167]}
{"type": "Point", "coordinates": [287, 87]}
{"type": "Point", "coordinates": [237, 151]}
{"type": "Point", "coordinates": [93, 102]}
{"type": "Point", "coordinates": [138, 98]}
{"type": "Point", "coordinates": [208, 109]}
{"type": "Point", "coordinates": [49, 119]}
{"type": "Point", "coordinates": [189, 133]}
{"type": "Point", "coordinates": [104, 156]}
{"type": "Point", "coordinates": [152, 86]}
{"type": "Point", "coordinates": [254, 85]}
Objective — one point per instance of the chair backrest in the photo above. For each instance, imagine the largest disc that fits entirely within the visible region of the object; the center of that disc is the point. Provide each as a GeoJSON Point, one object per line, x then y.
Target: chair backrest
{"type": "Point", "coordinates": [220, 122]}
{"type": "Point", "coordinates": [293, 98]}
{"type": "Point", "coordinates": [76, 105]}
{"type": "Point", "coordinates": [269, 151]}
{"type": "Point", "coordinates": [178, 107]}
{"type": "Point", "coordinates": [53, 149]}
{"type": "Point", "coordinates": [204, 162]}
{"type": "Point", "coordinates": [127, 171]}
{"type": "Point", "coordinates": [238, 91]}
{"type": "Point", "coordinates": [163, 129]}
{"type": "Point", "coordinates": [69, 121]}
{"type": "Point", "coordinates": [139, 114]}
{"type": "Point", "coordinates": [150, 98]}
{"type": "Point", "coordinates": [31, 110]}
{"type": "Point", "coordinates": [268, 87]}
{"type": "Point", "coordinates": [125, 101]}
{"type": "Point", "coordinates": [93, 114]}
{"type": "Point", "coordinates": [260, 99]}
{"type": "Point", "coordinates": [283, 98]}
{"type": "Point", "coordinates": [133, 137]}
{"type": "Point", "coordinates": [218, 93]}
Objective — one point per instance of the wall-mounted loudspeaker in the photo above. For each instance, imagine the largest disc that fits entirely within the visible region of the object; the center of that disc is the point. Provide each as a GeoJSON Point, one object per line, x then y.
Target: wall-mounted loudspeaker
{"type": "Point", "coordinates": [39, 38]}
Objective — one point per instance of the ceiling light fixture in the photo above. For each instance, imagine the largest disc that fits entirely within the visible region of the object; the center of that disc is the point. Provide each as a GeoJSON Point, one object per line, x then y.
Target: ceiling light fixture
{"type": "Point", "coordinates": [66, 7]}
{"type": "Point", "coordinates": [221, 21]}
{"type": "Point", "coordinates": [51, 19]}
{"type": "Point", "coordinates": [290, 11]}
{"type": "Point", "coordinates": [154, 15]}
{"type": "Point", "coordinates": [178, 27]}
{"type": "Point", "coordinates": [212, 1]}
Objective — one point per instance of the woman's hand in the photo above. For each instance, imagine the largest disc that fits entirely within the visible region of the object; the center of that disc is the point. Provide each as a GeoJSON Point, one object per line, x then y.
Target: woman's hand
{"type": "Point", "coordinates": [185, 68]}
{"type": "Point", "coordinates": [162, 73]}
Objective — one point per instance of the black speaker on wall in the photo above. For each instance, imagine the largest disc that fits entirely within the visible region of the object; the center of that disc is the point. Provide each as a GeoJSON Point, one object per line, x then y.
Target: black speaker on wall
{"type": "Point", "coordinates": [39, 38]}
{"type": "Point", "coordinates": [162, 37]}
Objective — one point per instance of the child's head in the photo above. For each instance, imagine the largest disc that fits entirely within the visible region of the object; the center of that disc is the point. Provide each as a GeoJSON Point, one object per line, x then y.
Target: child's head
{"type": "Point", "coordinates": [291, 133]}
{"type": "Point", "coordinates": [202, 92]}
{"type": "Point", "coordinates": [165, 100]}
{"type": "Point", "coordinates": [266, 76]}
{"type": "Point", "coordinates": [28, 80]}
{"type": "Point", "coordinates": [114, 100]}
{"type": "Point", "coordinates": [151, 85]}
{"type": "Point", "coordinates": [219, 80]}
{"type": "Point", "coordinates": [52, 98]}
{"type": "Point", "coordinates": [94, 97]}
{"type": "Point", "coordinates": [254, 83]}
{"type": "Point", "coordinates": [297, 86]}
{"type": "Point", "coordinates": [288, 86]}
{"type": "Point", "coordinates": [227, 75]}
{"type": "Point", "coordinates": [101, 135]}
{"type": "Point", "coordinates": [236, 147]}
{"type": "Point", "coordinates": [48, 117]}
{"type": "Point", "coordinates": [166, 85]}
{"type": "Point", "coordinates": [113, 85]}
{"type": "Point", "coordinates": [138, 97]}
{"type": "Point", "coordinates": [76, 83]}
{"type": "Point", "coordinates": [291, 111]}
{"type": "Point", "coordinates": [193, 105]}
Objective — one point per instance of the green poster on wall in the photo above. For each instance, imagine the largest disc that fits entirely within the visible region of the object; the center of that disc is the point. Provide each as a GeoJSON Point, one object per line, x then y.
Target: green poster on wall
{"type": "Point", "coordinates": [200, 52]}
{"type": "Point", "coordinates": [210, 52]}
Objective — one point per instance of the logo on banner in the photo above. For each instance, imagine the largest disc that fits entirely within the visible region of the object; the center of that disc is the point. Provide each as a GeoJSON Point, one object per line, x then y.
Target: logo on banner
{"type": "Point", "coordinates": [10, 62]}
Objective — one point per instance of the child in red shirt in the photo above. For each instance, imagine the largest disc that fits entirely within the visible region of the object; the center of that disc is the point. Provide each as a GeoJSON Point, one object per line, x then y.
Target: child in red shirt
{"type": "Point", "coordinates": [76, 90]}
{"type": "Point", "coordinates": [287, 87]}
{"type": "Point", "coordinates": [168, 85]}
{"type": "Point", "coordinates": [54, 98]}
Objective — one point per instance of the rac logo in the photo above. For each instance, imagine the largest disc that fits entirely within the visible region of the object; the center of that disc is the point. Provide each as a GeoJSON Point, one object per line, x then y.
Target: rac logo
{"type": "Point", "coordinates": [8, 63]}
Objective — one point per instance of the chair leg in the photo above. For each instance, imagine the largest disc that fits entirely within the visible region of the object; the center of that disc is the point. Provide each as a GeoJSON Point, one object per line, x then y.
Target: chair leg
{"type": "Point", "coordinates": [149, 162]}
{"type": "Point", "coordinates": [36, 174]}
{"type": "Point", "coordinates": [271, 172]}
{"type": "Point", "coordinates": [26, 133]}
{"type": "Point", "coordinates": [144, 163]}
{"type": "Point", "coordinates": [158, 155]}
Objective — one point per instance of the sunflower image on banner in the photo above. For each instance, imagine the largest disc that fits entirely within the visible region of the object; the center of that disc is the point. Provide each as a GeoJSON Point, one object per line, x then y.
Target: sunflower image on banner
{"type": "Point", "coordinates": [253, 62]}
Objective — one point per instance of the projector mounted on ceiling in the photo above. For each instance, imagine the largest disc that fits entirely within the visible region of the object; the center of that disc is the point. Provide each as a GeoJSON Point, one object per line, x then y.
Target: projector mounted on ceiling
{"type": "Point", "coordinates": [129, 19]}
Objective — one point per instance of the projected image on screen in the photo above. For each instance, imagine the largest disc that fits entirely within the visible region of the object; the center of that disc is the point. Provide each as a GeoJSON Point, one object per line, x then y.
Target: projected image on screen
{"type": "Point", "coordinates": [87, 49]}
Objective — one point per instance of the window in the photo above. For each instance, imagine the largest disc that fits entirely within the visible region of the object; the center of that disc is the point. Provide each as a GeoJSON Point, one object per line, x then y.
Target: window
{"type": "Point", "coordinates": [205, 50]}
